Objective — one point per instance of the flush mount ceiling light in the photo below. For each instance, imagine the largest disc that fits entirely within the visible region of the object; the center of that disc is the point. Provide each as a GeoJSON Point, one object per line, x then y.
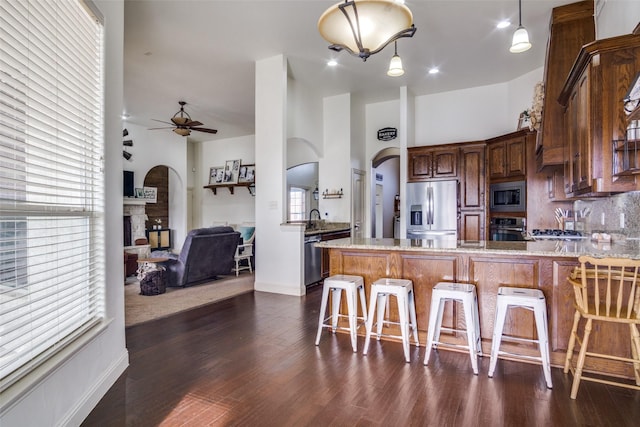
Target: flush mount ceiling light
{"type": "Point", "coordinates": [365, 27]}
{"type": "Point", "coordinates": [520, 41]}
{"type": "Point", "coordinates": [395, 66]}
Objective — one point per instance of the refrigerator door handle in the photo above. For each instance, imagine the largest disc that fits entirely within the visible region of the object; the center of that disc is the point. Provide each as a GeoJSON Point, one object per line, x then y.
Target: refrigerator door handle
{"type": "Point", "coordinates": [430, 205]}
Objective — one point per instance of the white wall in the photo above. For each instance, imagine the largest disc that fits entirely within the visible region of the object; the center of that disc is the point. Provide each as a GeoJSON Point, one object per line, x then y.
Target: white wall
{"type": "Point", "coordinates": [617, 17]}
{"type": "Point", "coordinates": [65, 394]}
{"type": "Point", "coordinates": [305, 120]}
{"type": "Point", "coordinates": [224, 206]}
{"type": "Point", "coordinates": [335, 166]}
{"type": "Point", "coordinates": [281, 270]}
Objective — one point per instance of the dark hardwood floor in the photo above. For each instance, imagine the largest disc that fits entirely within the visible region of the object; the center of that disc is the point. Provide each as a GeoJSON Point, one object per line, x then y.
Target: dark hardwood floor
{"type": "Point", "coordinates": [251, 361]}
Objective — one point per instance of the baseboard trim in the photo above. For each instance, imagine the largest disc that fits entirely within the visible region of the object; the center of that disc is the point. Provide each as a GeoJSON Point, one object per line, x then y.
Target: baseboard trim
{"type": "Point", "coordinates": [77, 414]}
{"type": "Point", "coordinates": [279, 289]}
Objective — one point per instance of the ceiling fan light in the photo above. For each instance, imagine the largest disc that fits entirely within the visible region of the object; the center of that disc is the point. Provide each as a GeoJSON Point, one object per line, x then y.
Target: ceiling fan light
{"type": "Point", "coordinates": [180, 120]}
{"type": "Point", "coordinates": [365, 27]}
{"type": "Point", "coordinates": [520, 41]}
{"type": "Point", "coordinates": [182, 131]}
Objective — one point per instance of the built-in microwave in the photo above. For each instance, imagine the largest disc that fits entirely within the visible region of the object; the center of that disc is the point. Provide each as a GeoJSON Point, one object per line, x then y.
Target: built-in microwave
{"type": "Point", "coordinates": [508, 197]}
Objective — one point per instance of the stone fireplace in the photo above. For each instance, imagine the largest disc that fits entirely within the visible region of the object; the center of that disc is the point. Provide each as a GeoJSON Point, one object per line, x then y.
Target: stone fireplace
{"type": "Point", "coordinates": [134, 225]}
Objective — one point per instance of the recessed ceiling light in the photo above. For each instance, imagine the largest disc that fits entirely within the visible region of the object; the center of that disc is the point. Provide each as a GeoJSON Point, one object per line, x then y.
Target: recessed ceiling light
{"type": "Point", "coordinates": [434, 70]}
{"type": "Point", "coordinates": [503, 24]}
{"type": "Point", "coordinates": [332, 63]}
{"type": "Point", "coordinates": [125, 116]}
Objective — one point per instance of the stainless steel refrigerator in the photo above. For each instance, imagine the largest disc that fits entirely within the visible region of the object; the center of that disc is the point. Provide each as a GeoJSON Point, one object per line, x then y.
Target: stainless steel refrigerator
{"type": "Point", "coordinates": [432, 210]}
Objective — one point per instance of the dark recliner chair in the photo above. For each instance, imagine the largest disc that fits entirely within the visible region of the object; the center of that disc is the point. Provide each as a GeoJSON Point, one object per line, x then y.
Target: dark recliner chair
{"type": "Point", "coordinates": [206, 253]}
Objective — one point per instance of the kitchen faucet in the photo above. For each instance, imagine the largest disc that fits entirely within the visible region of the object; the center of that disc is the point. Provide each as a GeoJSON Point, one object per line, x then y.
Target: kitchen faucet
{"type": "Point", "coordinates": [311, 214]}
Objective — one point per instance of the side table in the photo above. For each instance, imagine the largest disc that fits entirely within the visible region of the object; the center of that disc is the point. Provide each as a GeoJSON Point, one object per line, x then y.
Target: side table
{"type": "Point", "coordinates": [152, 276]}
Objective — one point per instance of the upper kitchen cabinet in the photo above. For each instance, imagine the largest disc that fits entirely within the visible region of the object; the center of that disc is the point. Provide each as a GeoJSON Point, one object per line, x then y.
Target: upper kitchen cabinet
{"type": "Point", "coordinates": [571, 27]}
{"type": "Point", "coordinates": [508, 156]}
{"type": "Point", "coordinates": [432, 162]}
{"type": "Point", "coordinates": [472, 177]}
{"type": "Point", "coordinates": [594, 115]}
{"type": "Point", "coordinates": [473, 188]}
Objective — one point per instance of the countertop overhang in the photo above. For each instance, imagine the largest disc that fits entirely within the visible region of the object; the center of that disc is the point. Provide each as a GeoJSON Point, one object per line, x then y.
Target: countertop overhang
{"type": "Point", "coordinates": [552, 248]}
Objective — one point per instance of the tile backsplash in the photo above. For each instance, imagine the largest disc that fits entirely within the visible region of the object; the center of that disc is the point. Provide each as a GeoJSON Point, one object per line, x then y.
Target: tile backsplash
{"type": "Point", "coordinates": [605, 214]}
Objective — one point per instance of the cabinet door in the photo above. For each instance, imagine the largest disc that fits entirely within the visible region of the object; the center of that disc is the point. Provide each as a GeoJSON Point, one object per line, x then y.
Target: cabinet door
{"type": "Point", "coordinates": [420, 165]}
{"type": "Point", "coordinates": [472, 179]}
{"type": "Point", "coordinates": [445, 163]}
{"type": "Point", "coordinates": [497, 156]}
{"type": "Point", "coordinates": [515, 151]}
{"type": "Point", "coordinates": [472, 225]}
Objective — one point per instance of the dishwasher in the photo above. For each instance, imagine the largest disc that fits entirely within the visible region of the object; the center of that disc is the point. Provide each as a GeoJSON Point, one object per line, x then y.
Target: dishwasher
{"type": "Point", "coordinates": [312, 260]}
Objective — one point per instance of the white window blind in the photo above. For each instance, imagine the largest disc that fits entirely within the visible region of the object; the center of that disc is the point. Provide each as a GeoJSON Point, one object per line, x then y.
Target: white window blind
{"type": "Point", "coordinates": [51, 180]}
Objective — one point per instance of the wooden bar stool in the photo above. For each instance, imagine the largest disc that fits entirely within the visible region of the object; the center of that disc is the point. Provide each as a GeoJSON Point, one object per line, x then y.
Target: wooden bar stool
{"type": "Point", "coordinates": [402, 289]}
{"type": "Point", "coordinates": [530, 299]}
{"type": "Point", "coordinates": [352, 286]}
{"type": "Point", "coordinates": [466, 294]}
{"type": "Point", "coordinates": [606, 291]}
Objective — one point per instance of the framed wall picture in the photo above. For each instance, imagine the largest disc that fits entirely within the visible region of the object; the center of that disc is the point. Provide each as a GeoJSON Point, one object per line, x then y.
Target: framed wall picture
{"type": "Point", "coordinates": [139, 193]}
{"type": "Point", "coordinates": [216, 175]}
{"type": "Point", "coordinates": [150, 194]}
{"type": "Point", "coordinates": [247, 174]}
{"type": "Point", "coordinates": [231, 172]}
{"type": "Point", "coordinates": [524, 121]}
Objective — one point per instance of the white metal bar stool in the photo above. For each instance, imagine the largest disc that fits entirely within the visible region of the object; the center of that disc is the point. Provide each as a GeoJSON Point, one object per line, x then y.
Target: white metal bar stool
{"type": "Point", "coordinates": [403, 291]}
{"type": "Point", "coordinates": [530, 299]}
{"type": "Point", "coordinates": [352, 286]}
{"type": "Point", "coordinates": [466, 294]}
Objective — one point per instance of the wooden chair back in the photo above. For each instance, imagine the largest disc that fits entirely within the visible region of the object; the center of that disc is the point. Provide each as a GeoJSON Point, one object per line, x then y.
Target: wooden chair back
{"type": "Point", "coordinates": [607, 288]}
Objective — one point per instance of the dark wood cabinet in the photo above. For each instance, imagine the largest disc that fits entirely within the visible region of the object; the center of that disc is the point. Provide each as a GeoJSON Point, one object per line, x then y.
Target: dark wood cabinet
{"type": "Point", "coordinates": [473, 190]}
{"type": "Point", "coordinates": [324, 272]}
{"type": "Point", "coordinates": [427, 163]}
{"type": "Point", "coordinates": [594, 115]}
{"type": "Point", "coordinates": [571, 27]}
{"type": "Point", "coordinates": [472, 225]}
{"type": "Point", "coordinates": [507, 156]}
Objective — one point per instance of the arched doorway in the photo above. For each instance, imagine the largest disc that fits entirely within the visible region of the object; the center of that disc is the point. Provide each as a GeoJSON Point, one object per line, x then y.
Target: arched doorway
{"type": "Point", "coordinates": [385, 193]}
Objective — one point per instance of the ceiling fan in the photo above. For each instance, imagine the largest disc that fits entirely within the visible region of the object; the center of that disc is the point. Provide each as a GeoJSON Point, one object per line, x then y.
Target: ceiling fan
{"type": "Point", "coordinates": [182, 123]}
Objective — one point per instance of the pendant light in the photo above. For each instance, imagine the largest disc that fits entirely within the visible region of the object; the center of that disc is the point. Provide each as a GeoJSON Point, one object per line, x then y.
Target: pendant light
{"type": "Point", "coordinates": [395, 66]}
{"type": "Point", "coordinates": [520, 41]}
{"type": "Point", "coordinates": [365, 27]}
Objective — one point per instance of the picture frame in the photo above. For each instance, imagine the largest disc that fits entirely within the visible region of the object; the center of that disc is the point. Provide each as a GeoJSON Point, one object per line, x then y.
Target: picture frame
{"type": "Point", "coordinates": [150, 194]}
{"type": "Point", "coordinates": [216, 175]}
{"type": "Point", "coordinates": [139, 193]}
{"type": "Point", "coordinates": [247, 174]}
{"type": "Point", "coordinates": [231, 172]}
{"type": "Point", "coordinates": [524, 122]}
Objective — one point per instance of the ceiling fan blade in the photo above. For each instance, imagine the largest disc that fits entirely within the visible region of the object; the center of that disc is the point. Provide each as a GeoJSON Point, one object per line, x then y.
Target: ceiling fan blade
{"type": "Point", "coordinates": [193, 123]}
{"type": "Point", "coordinates": [162, 121]}
{"type": "Point", "coordinates": [167, 127]}
{"type": "Point", "coordinates": [205, 130]}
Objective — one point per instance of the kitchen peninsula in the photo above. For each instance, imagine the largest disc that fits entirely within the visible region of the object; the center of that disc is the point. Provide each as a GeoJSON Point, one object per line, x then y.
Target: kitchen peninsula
{"type": "Point", "coordinates": [488, 265]}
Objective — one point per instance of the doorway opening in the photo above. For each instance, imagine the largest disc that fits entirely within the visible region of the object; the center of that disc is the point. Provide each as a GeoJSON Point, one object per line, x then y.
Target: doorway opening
{"type": "Point", "coordinates": [385, 194]}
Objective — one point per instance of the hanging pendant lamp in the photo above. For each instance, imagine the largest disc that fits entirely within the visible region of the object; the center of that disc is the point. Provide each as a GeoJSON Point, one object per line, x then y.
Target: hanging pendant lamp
{"type": "Point", "coordinates": [520, 42]}
{"type": "Point", "coordinates": [395, 65]}
{"type": "Point", "coordinates": [365, 27]}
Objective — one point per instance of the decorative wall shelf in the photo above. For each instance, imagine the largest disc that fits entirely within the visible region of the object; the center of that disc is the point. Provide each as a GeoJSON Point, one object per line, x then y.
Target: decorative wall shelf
{"type": "Point", "coordinates": [326, 194]}
{"type": "Point", "coordinates": [231, 187]}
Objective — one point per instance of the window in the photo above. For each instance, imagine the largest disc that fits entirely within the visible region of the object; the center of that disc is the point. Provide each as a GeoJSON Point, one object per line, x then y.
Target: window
{"type": "Point", "coordinates": [297, 198]}
{"type": "Point", "coordinates": [51, 180]}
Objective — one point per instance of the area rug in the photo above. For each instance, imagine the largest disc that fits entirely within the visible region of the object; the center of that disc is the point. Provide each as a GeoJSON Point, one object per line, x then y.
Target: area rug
{"type": "Point", "coordinates": [141, 308]}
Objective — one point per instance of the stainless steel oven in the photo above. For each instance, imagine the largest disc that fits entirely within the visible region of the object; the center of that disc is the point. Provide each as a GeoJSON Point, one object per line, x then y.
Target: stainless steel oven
{"type": "Point", "coordinates": [509, 229]}
{"type": "Point", "coordinates": [508, 197]}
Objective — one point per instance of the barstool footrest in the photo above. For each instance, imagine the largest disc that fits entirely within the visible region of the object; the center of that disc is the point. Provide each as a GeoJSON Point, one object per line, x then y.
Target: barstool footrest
{"type": "Point", "coordinates": [464, 347]}
{"type": "Point", "coordinates": [519, 356]}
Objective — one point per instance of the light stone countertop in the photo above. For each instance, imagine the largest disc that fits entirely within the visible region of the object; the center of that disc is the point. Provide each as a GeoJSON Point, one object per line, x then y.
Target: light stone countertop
{"type": "Point", "coordinates": [551, 248]}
